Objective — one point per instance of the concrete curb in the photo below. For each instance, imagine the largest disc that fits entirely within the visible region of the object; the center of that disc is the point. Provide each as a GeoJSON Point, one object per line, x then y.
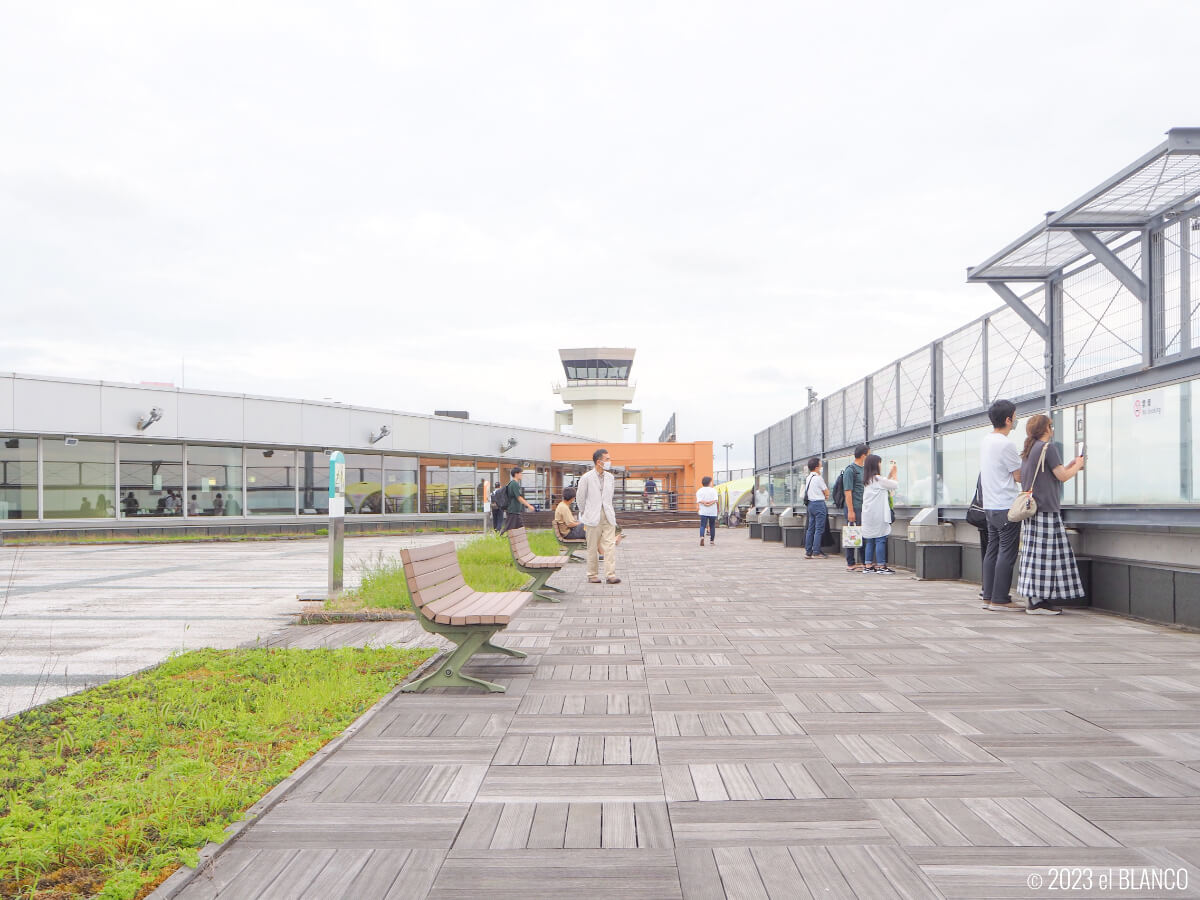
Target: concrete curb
{"type": "Point", "coordinates": [210, 853]}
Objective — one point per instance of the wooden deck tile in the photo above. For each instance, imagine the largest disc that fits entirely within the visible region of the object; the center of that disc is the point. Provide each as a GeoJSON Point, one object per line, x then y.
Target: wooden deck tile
{"type": "Point", "coordinates": [753, 727]}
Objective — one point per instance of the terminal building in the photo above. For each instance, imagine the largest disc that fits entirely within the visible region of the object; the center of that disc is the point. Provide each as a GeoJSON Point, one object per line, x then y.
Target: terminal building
{"type": "Point", "coordinates": [1100, 326]}
{"type": "Point", "coordinates": [77, 454]}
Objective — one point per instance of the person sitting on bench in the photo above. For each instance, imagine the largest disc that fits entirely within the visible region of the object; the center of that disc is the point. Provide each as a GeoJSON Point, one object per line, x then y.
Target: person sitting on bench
{"type": "Point", "coordinates": [566, 526]}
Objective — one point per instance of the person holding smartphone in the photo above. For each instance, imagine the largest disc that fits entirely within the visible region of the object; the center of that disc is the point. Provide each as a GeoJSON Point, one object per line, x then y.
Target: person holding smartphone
{"type": "Point", "coordinates": [876, 515]}
{"type": "Point", "coordinates": [1048, 570]}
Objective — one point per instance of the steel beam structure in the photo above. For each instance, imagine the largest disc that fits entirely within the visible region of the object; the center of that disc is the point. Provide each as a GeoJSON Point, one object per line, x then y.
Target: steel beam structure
{"type": "Point", "coordinates": [1017, 305]}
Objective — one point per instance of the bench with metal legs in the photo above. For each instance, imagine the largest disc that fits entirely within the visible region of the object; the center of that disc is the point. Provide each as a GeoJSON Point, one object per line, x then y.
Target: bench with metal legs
{"type": "Point", "coordinates": [444, 604]}
{"type": "Point", "coordinates": [540, 568]}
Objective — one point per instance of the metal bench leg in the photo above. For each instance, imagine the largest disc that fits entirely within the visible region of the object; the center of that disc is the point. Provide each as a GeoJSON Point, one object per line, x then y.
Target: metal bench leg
{"type": "Point", "coordinates": [540, 577]}
{"type": "Point", "coordinates": [449, 673]}
{"type": "Point", "coordinates": [489, 647]}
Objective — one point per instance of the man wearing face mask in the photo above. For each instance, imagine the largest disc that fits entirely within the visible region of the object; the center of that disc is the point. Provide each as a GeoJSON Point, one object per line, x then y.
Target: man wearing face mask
{"type": "Point", "coordinates": [595, 500]}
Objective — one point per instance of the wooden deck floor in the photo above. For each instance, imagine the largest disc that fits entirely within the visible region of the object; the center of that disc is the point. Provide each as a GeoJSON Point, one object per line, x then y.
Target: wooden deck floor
{"type": "Point", "coordinates": [736, 721]}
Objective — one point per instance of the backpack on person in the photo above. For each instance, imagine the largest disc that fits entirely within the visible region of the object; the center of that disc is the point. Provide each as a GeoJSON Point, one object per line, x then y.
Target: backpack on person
{"type": "Point", "coordinates": [839, 491]}
{"type": "Point", "coordinates": [500, 498]}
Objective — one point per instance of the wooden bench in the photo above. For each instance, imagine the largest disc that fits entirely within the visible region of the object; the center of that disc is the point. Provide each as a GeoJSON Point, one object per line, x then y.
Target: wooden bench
{"type": "Point", "coordinates": [539, 567]}
{"type": "Point", "coordinates": [567, 546]}
{"type": "Point", "coordinates": [444, 604]}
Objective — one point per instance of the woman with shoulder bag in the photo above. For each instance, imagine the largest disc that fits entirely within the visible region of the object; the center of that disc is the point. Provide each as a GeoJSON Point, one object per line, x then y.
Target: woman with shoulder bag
{"type": "Point", "coordinates": [877, 515]}
{"type": "Point", "coordinates": [1048, 570]}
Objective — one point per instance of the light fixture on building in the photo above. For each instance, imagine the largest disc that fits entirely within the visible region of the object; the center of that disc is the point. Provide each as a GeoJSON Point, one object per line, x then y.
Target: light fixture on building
{"type": "Point", "coordinates": [268, 453]}
{"type": "Point", "coordinates": [146, 421]}
{"type": "Point", "coordinates": [384, 431]}
{"type": "Point", "coordinates": [71, 441]}
{"type": "Point", "coordinates": [12, 444]}
{"type": "Point", "coordinates": [505, 446]}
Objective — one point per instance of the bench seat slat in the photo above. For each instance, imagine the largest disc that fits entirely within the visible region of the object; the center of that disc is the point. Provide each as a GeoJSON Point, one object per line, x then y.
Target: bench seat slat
{"type": "Point", "coordinates": [425, 566]}
{"type": "Point", "coordinates": [420, 554]}
{"type": "Point", "coordinates": [438, 591]}
{"type": "Point", "coordinates": [419, 582]}
{"type": "Point", "coordinates": [491, 608]}
{"type": "Point", "coordinates": [451, 600]}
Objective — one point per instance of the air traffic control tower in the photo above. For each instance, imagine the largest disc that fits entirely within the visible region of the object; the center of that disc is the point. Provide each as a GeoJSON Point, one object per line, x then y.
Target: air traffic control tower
{"type": "Point", "coordinates": [597, 389]}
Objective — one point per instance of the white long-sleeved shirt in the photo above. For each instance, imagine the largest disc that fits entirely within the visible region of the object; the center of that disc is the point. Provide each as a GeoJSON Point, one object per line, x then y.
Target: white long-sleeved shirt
{"type": "Point", "coordinates": [595, 498]}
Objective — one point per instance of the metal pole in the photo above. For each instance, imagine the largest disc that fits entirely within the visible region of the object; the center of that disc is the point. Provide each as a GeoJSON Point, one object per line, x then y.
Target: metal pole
{"type": "Point", "coordinates": [337, 520]}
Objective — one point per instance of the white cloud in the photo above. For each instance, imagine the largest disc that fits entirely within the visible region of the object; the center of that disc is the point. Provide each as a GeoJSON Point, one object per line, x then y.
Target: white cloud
{"type": "Point", "coordinates": [436, 196]}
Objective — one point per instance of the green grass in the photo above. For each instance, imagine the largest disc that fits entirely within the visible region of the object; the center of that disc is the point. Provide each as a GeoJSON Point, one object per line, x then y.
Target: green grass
{"type": "Point", "coordinates": [486, 565]}
{"type": "Point", "coordinates": [106, 792]}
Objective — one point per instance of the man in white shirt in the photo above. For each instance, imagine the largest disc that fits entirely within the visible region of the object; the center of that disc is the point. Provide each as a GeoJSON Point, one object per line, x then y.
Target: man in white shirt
{"type": "Point", "coordinates": [594, 498]}
{"type": "Point", "coordinates": [999, 474]}
{"type": "Point", "coordinates": [706, 500]}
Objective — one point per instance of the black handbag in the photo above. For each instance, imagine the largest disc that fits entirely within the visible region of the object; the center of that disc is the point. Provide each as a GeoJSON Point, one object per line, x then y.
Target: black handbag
{"type": "Point", "coordinates": [975, 514]}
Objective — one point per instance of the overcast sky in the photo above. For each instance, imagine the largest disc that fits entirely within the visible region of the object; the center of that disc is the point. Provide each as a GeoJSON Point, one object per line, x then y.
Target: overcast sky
{"type": "Point", "coordinates": [413, 205]}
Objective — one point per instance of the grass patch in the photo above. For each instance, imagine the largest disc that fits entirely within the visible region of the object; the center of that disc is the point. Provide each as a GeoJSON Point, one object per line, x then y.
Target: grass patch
{"type": "Point", "coordinates": [108, 791]}
{"type": "Point", "coordinates": [486, 565]}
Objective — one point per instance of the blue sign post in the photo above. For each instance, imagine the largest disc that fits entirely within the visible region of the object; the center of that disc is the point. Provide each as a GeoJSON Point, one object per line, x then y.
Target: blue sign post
{"type": "Point", "coordinates": [337, 520]}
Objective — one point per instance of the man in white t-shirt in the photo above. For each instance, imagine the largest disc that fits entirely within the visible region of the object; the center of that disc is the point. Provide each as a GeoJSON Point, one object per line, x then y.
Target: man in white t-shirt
{"type": "Point", "coordinates": [706, 501]}
{"type": "Point", "coordinates": [999, 474]}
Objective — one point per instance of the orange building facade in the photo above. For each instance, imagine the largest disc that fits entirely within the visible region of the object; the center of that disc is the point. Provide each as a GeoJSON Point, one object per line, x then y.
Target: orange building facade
{"type": "Point", "coordinates": [676, 468]}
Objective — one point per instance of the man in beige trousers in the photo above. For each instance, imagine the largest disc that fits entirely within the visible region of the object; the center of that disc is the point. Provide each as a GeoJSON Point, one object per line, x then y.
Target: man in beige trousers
{"type": "Point", "coordinates": [595, 500]}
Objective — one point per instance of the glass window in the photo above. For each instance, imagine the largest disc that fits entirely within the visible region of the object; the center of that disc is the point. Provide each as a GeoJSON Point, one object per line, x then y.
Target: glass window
{"type": "Point", "coordinates": [270, 481]}
{"type": "Point", "coordinates": [913, 472]}
{"type": "Point", "coordinates": [78, 477]}
{"type": "Point", "coordinates": [487, 476]}
{"type": "Point", "coordinates": [18, 482]}
{"type": "Point", "coordinates": [312, 477]}
{"type": "Point", "coordinates": [151, 480]}
{"type": "Point", "coordinates": [364, 483]}
{"type": "Point", "coordinates": [435, 476]}
{"type": "Point", "coordinates": [214, 477]}
{"type": "Point", "coordinates": [400, 484]}
{"type": "Point", "coordinates": [462, 485]}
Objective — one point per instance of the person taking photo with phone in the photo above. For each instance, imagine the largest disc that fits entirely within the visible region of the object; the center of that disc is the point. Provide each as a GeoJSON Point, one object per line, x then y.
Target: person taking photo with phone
{"type": "Point", "coordinates": [1048, 570]}
{"type": "Point", "coordinates": [877, 515]}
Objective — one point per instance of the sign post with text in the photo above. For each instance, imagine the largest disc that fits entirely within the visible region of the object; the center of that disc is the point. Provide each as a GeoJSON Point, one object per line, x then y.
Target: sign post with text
{"type": "Point", "coordinates": [337, 520]}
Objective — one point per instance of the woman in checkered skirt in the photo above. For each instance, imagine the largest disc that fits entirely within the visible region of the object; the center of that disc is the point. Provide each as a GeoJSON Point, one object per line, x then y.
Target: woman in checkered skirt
{"type": "Point", "coordinates": [1047, 569]}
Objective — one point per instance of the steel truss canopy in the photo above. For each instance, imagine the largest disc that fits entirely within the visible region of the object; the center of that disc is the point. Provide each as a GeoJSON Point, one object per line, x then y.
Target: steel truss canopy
{"type": "Point", "coordinates": [1163, 183]}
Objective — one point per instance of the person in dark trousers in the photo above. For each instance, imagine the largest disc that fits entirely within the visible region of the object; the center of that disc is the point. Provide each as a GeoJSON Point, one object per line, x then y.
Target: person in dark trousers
{"type": "Point", "coordinates": [977, 517]}
{"type": "Point", "coordinates": [566, 525]}
{"type": "Point", "coordinates": [498, 499]}
{"type": "Point", "coordinates": [853, 482]}
{"type": "Point", "coordinates": [999, 475]}
{"type": "Point", "coordinates": [706, 502]}
{"type": "Point", "coordinates": [514, 515]}
{"type": "Point", "coordinates": [817, 492]}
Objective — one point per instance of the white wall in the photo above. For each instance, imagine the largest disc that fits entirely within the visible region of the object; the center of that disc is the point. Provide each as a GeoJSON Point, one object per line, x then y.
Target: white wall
{"type": "Point", "coordinates": [40, 405]}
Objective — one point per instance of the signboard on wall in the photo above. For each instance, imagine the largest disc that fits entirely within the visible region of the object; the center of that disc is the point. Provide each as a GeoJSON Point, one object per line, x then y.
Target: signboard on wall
{"type": "Point", "coordinates": [1150, 405]}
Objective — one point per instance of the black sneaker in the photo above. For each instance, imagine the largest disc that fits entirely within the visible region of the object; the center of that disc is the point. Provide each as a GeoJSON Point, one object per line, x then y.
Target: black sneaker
{"type": "Point", "coordinates": [1042, 609]}
{"type": "Point", "coordinates": [885, 571]}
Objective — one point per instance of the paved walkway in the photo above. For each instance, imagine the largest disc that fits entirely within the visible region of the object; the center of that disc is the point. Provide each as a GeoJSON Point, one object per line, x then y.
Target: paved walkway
{"type": "Point", "coordinates": [735, 721]}
{"type": "Point", "coordinates": [76, 616]}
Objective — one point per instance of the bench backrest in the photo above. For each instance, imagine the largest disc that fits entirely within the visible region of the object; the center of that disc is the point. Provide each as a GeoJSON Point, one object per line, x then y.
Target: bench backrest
{"type": "Point", "coordinates": [518, 542]}
{"type": "Point", "coordinates": [432, 573]}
